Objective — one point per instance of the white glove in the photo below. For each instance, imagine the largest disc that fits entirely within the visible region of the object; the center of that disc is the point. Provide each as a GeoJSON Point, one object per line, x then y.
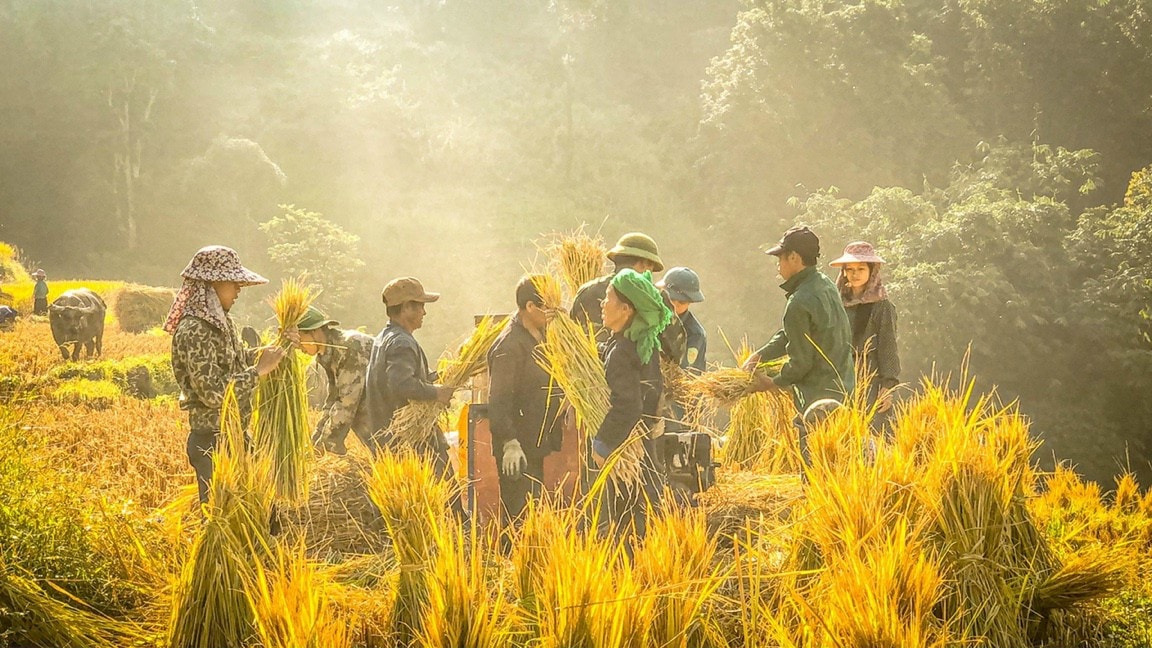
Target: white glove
{"type": "Point", "coordinates": [514, 462]}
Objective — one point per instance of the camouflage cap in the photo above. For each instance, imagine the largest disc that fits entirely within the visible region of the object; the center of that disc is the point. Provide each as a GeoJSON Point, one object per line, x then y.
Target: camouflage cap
{"type": "Point", "coordinates": [219, 263]}
{"type": "Point", "coordinates": [406, 289]}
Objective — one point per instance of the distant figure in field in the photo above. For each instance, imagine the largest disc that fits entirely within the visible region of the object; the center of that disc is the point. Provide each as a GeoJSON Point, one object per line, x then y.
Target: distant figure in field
{"type": "Point", "coordinates": [8, 317]}
{"type": "Point", "coordinates": [873, 320]}
{"type": "Point", "coordinates": [40, 293]}
{"type": "Point", "coordinates": [77, 318]}
{"type": "Point", "coordinates": [207, 353]}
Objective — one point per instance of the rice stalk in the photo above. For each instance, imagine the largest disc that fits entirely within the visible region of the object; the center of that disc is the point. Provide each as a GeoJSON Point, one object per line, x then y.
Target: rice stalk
{"type": "Point", "coordinates": [211, 606]}
{"type": "Point", "coordinates": [280, 422]}
{"type": "Point", "coordinates": [460, 609]}
{"type": "Point", "coordinates": [34, 617]}
{"type": "Point", "coordinates": [570, 355]}
{"type": "Point", "coordinates": [291, 603]}
{"type": "Point", "coordinates": [414, 501]}
{"type": "Point", "coordinates": [677, 563]}
{"type": "Point", "coordinates": [414, 423]}
{"type": "Point", "coordinates": [761, 436]}
{"type": "Point", "coordinates": [726, 386]}
{"type": "Point", "coordinates": [577, 258]}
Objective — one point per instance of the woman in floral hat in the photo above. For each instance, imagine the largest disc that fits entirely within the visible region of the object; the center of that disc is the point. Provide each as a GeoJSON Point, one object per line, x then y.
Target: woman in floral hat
{"type": "Point", "coordinates": [207, 354]}
{"type": "Point", "coordinates": [873, 320]}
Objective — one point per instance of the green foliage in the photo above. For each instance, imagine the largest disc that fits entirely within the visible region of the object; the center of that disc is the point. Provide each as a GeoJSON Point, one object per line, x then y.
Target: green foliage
{"type": "Point", "coordinates": [305, 243]}
{"type": "Point", "coordinates": [996, 265]}
{"type": "Point", "coordinates": [146, 376]}
{"type": "Point", "coordinates": [98, 394]}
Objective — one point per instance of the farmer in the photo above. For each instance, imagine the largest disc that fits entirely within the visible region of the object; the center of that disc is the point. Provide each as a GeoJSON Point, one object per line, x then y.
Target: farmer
{"type": "Point", "coordinates": [523, 404]}
{"type": "Point", "coordinates": [634, 251]}
{"type": "Point", "coordinates": [398, 370]}
{"type": "Point", "coordinates": [816, 336]}
{"type": "Point", "coordinates": [40, 293]}
{"type": "Point", "coordinates": [207, 354]}
{"type": "Point", "coordinates": [873, 321]}
{"type": "Point", "coordinates": [8, 317]}
{"type": "Point", "coordinates": [682, 287]}
{"type": "Point", "coordinates": [634, 312]}
{"type": "Point", "coordinates": [343, 355]}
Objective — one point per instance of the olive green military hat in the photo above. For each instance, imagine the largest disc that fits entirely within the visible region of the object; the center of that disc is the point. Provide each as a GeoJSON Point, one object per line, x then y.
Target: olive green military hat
{"type": "Point", "coordinates": [638, 245]}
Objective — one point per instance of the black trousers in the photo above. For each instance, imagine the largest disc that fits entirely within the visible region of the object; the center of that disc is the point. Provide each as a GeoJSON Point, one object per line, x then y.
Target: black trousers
{"type": "Point", "coordinates": [201, 445]}
{"type": "Point", "coordinates": [40, 306]}
{"type": "Point", "coordinates": [625, 509]}
{"type": "Point", "coordinates": [515, 491]}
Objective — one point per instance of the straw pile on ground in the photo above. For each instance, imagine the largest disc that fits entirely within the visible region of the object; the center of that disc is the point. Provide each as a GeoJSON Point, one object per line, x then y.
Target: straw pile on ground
{"type": "Point", "coordinates": [414, 423]}
{"type": "Point", "coordinates": [140, 308]}
{"type": "Point", "coordinates": [339, 519]}
{"type": "Point", "coordinates": [280, 406]}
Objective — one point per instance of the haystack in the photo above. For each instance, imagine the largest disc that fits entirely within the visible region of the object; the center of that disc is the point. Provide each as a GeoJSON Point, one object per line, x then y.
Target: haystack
{"type": "Point", "coordinates": [139, 308]}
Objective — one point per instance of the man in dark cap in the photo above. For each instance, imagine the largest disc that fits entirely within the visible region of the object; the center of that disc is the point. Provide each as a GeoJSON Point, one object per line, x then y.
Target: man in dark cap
{"type": "Point", "coordinates": [343, 355]}
{"type": "Point", "coordinates": [634, 251]}
{"type": "Point", "coordinates": [398, 369]}
{"type": "Point", "coordinates": [816, 336]}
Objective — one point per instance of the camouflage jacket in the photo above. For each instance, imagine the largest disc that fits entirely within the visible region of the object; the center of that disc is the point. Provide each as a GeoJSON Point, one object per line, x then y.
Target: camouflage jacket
{"type": "Point", "coordinates": [204, 360]}
{"type": "Point", "coordinates": [345, 362]}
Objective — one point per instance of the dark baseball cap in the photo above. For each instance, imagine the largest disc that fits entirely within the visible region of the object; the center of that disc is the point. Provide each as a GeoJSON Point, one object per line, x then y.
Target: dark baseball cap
{"type": "Point", "coordinates": [800, 240]}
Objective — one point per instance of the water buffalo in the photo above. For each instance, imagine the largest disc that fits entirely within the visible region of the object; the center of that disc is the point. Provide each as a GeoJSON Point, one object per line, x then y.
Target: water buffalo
{"type": "Point", "coordinates": [77, 318]}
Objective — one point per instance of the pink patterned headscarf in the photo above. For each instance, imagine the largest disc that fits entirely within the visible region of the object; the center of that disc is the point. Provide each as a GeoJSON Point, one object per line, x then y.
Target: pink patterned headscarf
{"type": "Point", "coordinates": [197, 297]}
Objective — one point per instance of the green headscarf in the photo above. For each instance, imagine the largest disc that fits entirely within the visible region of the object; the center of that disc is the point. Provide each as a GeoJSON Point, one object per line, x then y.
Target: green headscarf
{"type": "Point", "coordinates": [652, 316]}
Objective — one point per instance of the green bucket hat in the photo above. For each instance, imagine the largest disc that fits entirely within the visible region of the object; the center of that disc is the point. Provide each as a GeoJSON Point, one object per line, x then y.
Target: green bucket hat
{"type": "Point", "coordinates": [640, 246]}
{"type": "Point", "coordinates": [313, 319]}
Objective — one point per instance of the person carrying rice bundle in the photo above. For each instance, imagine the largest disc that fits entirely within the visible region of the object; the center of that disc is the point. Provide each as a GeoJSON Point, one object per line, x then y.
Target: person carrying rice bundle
{"type": "Point", "coordinates": [523, 403]}
{"type": "Point", "coordinates": [207, 354]}
{"type": "Point", "coordinates": [398, 371]}
{"type": "Point", "coordinates": [816, 335]}
{"type": "Point", "coordinates": [344, 356]}
{"type": "Point", "coordinates": [638, 252]}
{"type": "Point", "coordinates": [633, 311]}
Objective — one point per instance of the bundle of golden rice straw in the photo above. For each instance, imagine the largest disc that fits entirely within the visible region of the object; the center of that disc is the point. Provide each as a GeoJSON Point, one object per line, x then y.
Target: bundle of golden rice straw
{"type": "Point", "coordinates": [760, 435]}
{"type": "Point", "coordinates": [570, 356]}
{"type": "Point", "coordinates": [414, 423]}
{"type": "Point", "coordinates": [280, 406]}
{"type": "Point", "coordinates": [414, 502]}
{"type": "Point", "coordinates": [577, 257]}
{"type": "Point", "coordinates": [211, 606]}
{"type": "Point", "coordinates": [728, 385]}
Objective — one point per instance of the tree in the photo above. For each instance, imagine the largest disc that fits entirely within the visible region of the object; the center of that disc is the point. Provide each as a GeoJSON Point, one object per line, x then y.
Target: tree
{"type": "Point", "coordinates": [1048, 305]}
{"type": "Point", "coordinates": [304, 242]}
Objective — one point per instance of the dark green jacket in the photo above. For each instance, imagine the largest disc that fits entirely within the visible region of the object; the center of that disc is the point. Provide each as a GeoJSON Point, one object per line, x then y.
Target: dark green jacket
{"type": "Point", "coordinates": [817, 340]}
